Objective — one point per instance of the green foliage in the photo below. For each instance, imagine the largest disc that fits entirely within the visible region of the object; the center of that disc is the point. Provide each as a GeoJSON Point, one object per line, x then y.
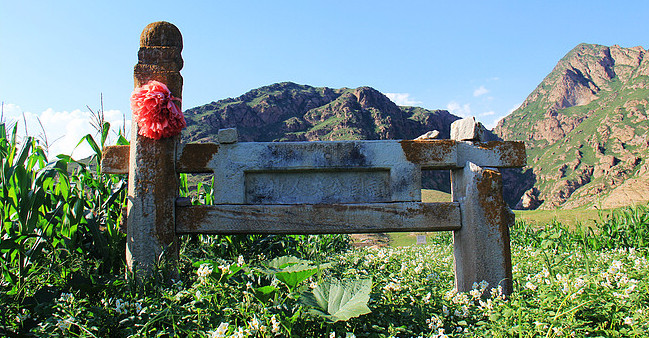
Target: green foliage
{"type": "Point", "coordinates": [60, 220]}
{"type": "Point", "coordinates": [588, 293]}
{"type": "Point", "coordinates": [62, 262]}
{"type": "Point", "coordinates": [292, 271]}
{"type": "Point", "coordinates": [623, 228]}
{"type": "Point", "coordinates": [339, 301]}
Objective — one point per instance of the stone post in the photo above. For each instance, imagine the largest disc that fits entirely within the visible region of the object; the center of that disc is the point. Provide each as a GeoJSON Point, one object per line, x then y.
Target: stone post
{"type": "Point", "coordinates": [153, 182]}
{"type": "Point", "coordinates": [481, 247]}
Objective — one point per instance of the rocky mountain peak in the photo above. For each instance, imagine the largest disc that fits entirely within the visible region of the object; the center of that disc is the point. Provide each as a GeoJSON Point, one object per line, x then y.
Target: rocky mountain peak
{"type": "Point", "coordinates": [586, 70]}
{"type": "Point", "coordinates": [585, 128]}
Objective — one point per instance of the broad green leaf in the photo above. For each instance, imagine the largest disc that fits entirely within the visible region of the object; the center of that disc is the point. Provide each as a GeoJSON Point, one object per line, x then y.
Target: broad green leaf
{"type": "Point", "coordinates": [295, 274]}
{"type": "Point", "coordinates": [233, 269]}
{"type": "Point", "coordinates": [265, 293]}
{"type": "Point", "coordinates": [284, 261]}
{"type": "Point", "coordinates": [339, 300]}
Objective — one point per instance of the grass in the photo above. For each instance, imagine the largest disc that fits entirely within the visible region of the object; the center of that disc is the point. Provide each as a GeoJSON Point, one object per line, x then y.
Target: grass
{"type": "Point", "coordinates": [563, 287]}
{"type": "Point", "coordinates": [568, 217]}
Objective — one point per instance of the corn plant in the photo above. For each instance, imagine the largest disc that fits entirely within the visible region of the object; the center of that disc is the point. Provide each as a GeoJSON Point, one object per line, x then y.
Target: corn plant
{"type": "Point", "coordinates": [54, 210]}
{"type": "Point", "coordinates": [24, 206]}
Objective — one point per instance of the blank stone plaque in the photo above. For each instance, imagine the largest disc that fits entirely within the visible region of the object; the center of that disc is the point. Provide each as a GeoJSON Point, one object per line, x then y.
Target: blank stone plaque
{"type": "Point", "coordinates": [317, 186]}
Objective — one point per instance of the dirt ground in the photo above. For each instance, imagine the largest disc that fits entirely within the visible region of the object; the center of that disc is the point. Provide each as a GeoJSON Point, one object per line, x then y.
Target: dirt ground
{"type": "Point", "coordinates": [378, 240]}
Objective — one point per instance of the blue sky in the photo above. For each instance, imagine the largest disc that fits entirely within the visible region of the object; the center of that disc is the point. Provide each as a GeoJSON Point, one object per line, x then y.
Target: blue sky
{"type": "Point", "coordinates": [475, 58]}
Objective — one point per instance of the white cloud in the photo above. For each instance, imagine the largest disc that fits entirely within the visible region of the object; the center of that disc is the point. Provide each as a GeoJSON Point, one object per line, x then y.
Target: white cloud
{"type": "Point", "coordinates": [494, 122]}
{"type": "Point", "coordinates": [62, 129]}
{"type": "Point", "coordinates": [480, 91]}
{"type": "Point", "coordinates": [402, 99]}
{"type": "Point", "coordinates": [461, 110]}
{"type": "Point", "coordinates": [497, 118]}
{"type": "Point", "coordinates": [514, 108]}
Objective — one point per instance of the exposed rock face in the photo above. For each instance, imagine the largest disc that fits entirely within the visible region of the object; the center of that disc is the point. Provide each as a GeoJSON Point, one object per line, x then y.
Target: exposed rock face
{"type": "Point", "coordinates": [585, 129]}
{"type": "Point", "coordinates": [291, 112]}
{"type": "Point", "coordinates": [529, 200]}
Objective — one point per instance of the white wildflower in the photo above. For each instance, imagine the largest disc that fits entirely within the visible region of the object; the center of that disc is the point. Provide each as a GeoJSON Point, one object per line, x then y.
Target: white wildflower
{"type": "Point", "coordinates": [121, 306]}
{"type": "Point", "coordinates": [66, 298]}
{"type": "Point", "coordinates": [426, 298]}
{"type": "Point", "coordinates": [497, 292]}
{"type": "Point", "coordinates": [530, 286]}
{"type": "Point", "coordinates": [445, 311]}
{"type": "Point", "coordinates": [434, 322]}
{"type": "Point", "coordinates": [220, 332]}
{"type": "Point", "coordinates": [540, 324]}
{"type": "Point", "coordinates": [240, 261]}
{"type": "Point", "coordinates": [475, 293]}
{"type": "Point", "coordinates": [350, 335]}
{"type": "Point", "coordinates": [64, 324]}
{"type": "Point", "coordinates": [275, 323]}
{"type": "Point", "coordinates": [615, 267]}
{"type": "Point", "coordinates": [450, 294]}
{"type": "Point", "coordinates": [461, 298]}
{"type": "Point", "coordinates": [254, 323]}
{"type": "Point", "coordinates": [240, 333]}
{"type": "Point", "coordinates": [225, 268]}
{"type": "Point", "coordinates": [440, 334]}
{"type": "Point", "coordinates": [204, 270]}
{"type": "Point", "coordinates": [486, 305]}
{"type": "Point", "coordinates": [392, 286]}
{"type": "Point", "coordinates": [628, 320]}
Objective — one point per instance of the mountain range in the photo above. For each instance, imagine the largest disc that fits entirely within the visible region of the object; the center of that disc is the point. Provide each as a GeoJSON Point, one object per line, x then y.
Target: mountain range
{"type": "Point", "coordinates": [291, 112]}
{"type": "Point", "coordinates": [585, 127]}
{"type": "Point", "coordinates": [586, 131]}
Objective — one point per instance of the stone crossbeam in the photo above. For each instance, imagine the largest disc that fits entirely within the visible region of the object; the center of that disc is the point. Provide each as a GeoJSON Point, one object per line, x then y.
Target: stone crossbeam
{"type": "Point", "coordinates": [428, 154]}
{"type": "Point", "coordinates": [317, 218]}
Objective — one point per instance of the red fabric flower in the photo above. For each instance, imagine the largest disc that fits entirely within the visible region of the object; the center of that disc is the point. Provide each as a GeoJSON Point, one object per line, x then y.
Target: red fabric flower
{"type": "Point", "coordinates": [155, 112]}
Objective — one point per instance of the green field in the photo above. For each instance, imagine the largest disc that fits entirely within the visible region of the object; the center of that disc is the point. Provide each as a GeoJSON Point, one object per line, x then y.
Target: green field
{"type": "Point", "coordinates": [539, 218]}
{"type": "Point", "coordinates": [569, 217]}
